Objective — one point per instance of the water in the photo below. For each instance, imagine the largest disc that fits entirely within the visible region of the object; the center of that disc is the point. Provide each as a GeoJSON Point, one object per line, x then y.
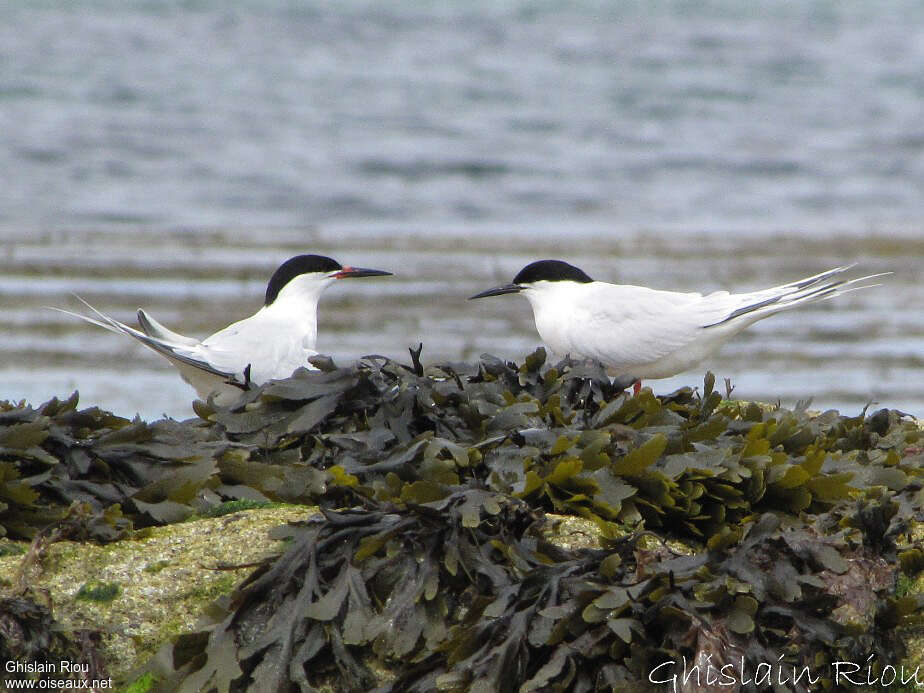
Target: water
{"type": "Point", "coordinates": [861, 347]}
{"type": "Point", "coordinates": [170, 155]}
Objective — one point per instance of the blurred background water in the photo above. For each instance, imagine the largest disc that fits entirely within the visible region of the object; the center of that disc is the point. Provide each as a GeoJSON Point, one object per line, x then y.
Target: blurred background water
{"type": "Point", "coordinates": [171, 154]}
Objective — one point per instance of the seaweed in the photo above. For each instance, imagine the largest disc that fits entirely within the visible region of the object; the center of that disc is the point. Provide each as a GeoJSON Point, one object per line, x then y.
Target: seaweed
{"type": "Point", "coordinates": [32, 639]}
{"type": "Point", "coordinates": [431, 567]}
{"type": "Point", "coordinates": [464, 593]}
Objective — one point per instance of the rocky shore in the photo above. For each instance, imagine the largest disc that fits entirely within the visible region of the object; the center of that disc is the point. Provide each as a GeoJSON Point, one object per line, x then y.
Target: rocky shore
{"type": "Point", "coordinates": [483, 526]}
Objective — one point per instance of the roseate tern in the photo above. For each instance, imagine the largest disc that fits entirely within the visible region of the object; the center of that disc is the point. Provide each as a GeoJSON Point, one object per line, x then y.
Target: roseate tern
{"type": "Point", "coordinates": [271, 343]}
{"type": "Point", "coordinates": [639, 332]}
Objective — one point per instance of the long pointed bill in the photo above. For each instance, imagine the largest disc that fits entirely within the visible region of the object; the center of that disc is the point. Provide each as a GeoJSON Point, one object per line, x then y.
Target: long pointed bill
{"type": "Point", "coordinates": [356, 272]}
{"type": "Point", "coordinates": [498, 291]}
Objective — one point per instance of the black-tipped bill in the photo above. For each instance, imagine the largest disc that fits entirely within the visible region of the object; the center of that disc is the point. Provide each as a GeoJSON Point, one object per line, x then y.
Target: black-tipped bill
{"type": "Point", "coordinates": [348, 272]}
{"type": "Point", "coordinates": [499, 291]}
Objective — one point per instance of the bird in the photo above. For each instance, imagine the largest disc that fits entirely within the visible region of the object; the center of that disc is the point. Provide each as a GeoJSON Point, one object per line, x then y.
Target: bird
{"type": "Point", "coordinates": [640, 333]}
{"type": "Point", "coordinates": [270, 344]}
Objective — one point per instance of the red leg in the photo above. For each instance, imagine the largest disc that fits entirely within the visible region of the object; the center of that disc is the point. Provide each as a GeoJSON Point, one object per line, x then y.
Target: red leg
{"type": "Point", "coordinates": [636, 386]}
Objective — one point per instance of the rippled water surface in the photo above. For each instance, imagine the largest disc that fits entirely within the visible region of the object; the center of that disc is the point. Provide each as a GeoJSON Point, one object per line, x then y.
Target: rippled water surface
{"type": "Point", "coordinates": [861, 347]}
{"type": "Point", "coordinates": [171, 154]}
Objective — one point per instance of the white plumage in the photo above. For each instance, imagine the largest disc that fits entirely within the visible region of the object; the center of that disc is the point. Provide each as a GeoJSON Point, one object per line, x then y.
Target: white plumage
{"type": "Point", "coordinates": [646, 333]}
{"type": "Point", "coordinates": [270, 344]}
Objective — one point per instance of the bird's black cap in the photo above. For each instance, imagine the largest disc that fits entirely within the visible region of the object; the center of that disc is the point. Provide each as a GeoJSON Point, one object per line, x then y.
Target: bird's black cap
{"type": "Point", "coordinates": [551, 271]}
{"type": "Point", "coordinates": [293, 267]}
{"type": "Point", "coordinates": [307, 264]}
{"type": "Point", "coordinates": [541, 270]}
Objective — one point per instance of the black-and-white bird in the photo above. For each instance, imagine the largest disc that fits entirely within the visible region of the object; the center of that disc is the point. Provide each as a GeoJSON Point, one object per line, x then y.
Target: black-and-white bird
{"type": "Point", "coordinates": [271, 343]}
{"type": "Point", "coordinates": [640, 333]}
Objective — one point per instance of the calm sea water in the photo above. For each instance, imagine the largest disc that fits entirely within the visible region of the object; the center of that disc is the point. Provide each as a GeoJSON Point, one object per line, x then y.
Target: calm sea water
{"type": "Point", "coordinates": [171, 154]}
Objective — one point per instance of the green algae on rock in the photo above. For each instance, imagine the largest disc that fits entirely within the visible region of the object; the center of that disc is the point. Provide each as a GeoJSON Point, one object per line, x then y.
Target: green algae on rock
{"type": "Point", "coordinates": [167, 576]}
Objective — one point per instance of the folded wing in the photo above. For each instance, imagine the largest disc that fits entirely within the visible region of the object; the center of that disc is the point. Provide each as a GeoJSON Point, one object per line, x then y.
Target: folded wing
{"type": "Point", "coordinates": [185, 350]}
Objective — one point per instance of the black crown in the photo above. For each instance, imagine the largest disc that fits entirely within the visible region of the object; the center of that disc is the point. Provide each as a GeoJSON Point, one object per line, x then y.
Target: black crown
{"type": "Point", "coordinates": [295, 266]}
{"type": "Point", "coordinates": [551, 271]}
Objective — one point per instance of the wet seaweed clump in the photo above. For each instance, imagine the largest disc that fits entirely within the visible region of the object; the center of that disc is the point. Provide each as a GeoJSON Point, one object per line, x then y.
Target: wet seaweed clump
{"type": "Point", "coordinates": [729, 533]}
{"type": "Point", "coordinates": [33, 645]}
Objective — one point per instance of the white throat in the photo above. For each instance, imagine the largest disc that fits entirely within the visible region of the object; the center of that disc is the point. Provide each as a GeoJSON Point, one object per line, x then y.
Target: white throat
{"type": "Point", "coordinates": [553, 306]}
{"type": "Point", "coordinates": [297, 306]}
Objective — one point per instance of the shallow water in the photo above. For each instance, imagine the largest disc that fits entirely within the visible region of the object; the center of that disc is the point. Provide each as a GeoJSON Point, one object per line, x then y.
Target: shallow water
{"type": "Point", "coordinates": [171, 154]}
{"type": "Point", "coordinates": [861, 347]}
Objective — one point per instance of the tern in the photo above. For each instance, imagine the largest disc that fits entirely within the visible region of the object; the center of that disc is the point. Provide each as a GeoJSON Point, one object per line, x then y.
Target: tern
{"type": "Point", "coordinates": [643, 333]}
{"type": "Point", "coordinates": [271, 343]}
